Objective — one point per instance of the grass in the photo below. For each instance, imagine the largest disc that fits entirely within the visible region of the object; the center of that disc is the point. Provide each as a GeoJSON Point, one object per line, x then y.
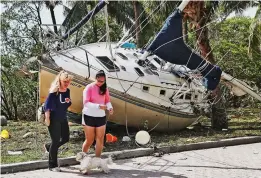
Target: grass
{"type": "Point", "coordinates": [243, 122]}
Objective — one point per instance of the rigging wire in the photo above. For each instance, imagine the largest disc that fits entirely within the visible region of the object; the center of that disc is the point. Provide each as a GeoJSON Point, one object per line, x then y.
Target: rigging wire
{"type": "Point", "coordinates": [138, 77]}
{"type": "Point", "coordinates": [96, 59]}
{"type": "Point", "coordinates": [153, 13]}
{"type": "Point", "coordinates": [86, 23]}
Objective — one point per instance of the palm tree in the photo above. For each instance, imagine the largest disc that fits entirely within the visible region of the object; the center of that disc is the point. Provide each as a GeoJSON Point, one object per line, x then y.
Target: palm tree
{"type": "Point", "coordinates": [157, 12]}
{"type": "Point", "coordinates": [136, 9]}
{"type": "Point", "coordinates": [255, 33]}
{"type": "Point", "coordinates": [81, 9]}
{"type": "Point", "coordinates": [128, 14]}
{"type": "Point", "coordinates": [51, 5]}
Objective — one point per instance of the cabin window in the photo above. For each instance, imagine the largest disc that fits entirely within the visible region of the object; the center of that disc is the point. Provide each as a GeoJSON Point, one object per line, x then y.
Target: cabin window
{"type": "Point", "coordinates": [196, 97]}
{"type": "Point", "coordinates": [145, 88]}
{"type": "Point", "coordinates": [107, 64]}
{"type": "Point", "coordinates": [148, 71]}
{"type": "Point", "coordinates": [146, 62]}
{"type": "Point", "coordinates": [181, 97]}
{"type": "Point", "coordinates": [141, 63]}
{"type": "Point", "coordinates": [162, 92]}
{"type": "Point", "coordinates": [138, 71]}
{"type": "Point", "coordinates": [155, 73]}
{"type": "Point", "coordinates": [122, 56]}
{"type": "Point", "coordinates": [136, 55]}
{"type": "Point", "coordinates": [157, 60]}
{"type": "Point", "coordinates": [188, 96]}
{"type": "Point", "coordinates": [152, 66]}
{"type": "Point", "coordinates": [123, 68]}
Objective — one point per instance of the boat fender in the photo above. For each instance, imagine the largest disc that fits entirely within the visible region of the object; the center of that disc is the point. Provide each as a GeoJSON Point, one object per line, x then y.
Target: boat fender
{"type": "Point", "coordinates": [142, 137]}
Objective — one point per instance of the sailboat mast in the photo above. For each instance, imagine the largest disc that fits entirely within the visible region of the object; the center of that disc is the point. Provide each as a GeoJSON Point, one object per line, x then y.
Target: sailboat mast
{"type": "Point", "coordinates": [183, 5]}
{"type": "Point", "coordinates": [235, 82]}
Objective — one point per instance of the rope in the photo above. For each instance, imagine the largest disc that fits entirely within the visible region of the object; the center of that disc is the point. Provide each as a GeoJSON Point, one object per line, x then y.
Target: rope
{"type": "Point", "coordinates": [152, 13]}
{"type": "Point", "coordinates": [37, 106]}
{"type": "Point", "coordinates": [125, 91]}
{"type": "Point", "coordinates": [120, 79]}
{"type": "Point", "coordinates": [107, 29]}
{"type": "Point", "coordinates": [126, 103]}
{"type": "Point", "coordinates": [86, 23]}
{"type": "Point", "coordinates": [38, 102]}
{"type": "Point", "coordinates": [108, 41]}
{"type": "Point", "coordinates": [107, 73]}
{"type": "Point", "coordinates": [175, 40]}
{"type": "Point", "coordinates": [198, 38]}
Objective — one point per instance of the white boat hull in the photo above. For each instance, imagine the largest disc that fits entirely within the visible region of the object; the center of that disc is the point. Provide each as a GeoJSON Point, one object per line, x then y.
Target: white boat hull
{"type": "Point", "coordinates": [138, 113]}
{"type": "Point", "coordinates": [142, 98]}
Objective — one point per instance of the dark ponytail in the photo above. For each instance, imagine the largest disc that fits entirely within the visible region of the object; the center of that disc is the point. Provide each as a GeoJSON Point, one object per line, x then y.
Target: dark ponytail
{"type": "Point", "coordinates": [103, 88]}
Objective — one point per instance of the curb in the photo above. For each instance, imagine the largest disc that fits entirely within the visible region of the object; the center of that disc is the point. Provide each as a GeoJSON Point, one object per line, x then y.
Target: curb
{"type": "Point", "coordinates": [43, 164]}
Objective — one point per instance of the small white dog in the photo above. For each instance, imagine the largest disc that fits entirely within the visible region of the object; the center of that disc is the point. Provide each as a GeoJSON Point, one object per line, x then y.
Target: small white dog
{"type": "Point", "coordinates": [88, 163]}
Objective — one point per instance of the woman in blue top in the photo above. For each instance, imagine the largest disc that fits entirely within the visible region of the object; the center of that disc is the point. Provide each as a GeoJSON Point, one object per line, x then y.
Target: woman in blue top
{"type": "Point", "coordinates": [56, 105]}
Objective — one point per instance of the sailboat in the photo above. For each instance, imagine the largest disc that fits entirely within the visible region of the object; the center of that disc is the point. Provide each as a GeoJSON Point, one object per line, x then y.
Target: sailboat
{"type": "Point", "coordinates": [162, 87]}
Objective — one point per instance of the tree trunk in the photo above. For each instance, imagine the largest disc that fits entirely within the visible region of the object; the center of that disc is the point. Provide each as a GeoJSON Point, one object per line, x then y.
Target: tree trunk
{"type": "Point", "coordinates": [53, 19]}
{"type": "Point", "coordinates": [4, 104]}
{"type": "Point", "coordinates": [14, 105]}
{"type": "Point", "coordinates": [94, 28]}
{"type": "Point", "coordinates": [76, 38]}
{"type": "Point", "coordinates": [185, 30]}
{"type": "Point", "coordinates": [200, 15]}
{"type": "Point", "coordinates": [137, 21]}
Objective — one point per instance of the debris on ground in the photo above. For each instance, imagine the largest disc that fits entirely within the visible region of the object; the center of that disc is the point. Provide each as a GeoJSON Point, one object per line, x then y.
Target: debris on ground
{"type": "Point", "coordinates": [14, 152]}
{"type": "Point", "coordinates": [158, 154]}
{"type": "Point", "coordinates": [5, 134]}
{"type": "Point", "coordinates": [77, 133]}
{"type": "Point", "coordinates": [3, 121]}
{"type": "Point", "coordinates": [126, 139]}
{"type": "Point", "coordinates": [28, 134]}
{"type": "Point", "coordinates": [111, 138]}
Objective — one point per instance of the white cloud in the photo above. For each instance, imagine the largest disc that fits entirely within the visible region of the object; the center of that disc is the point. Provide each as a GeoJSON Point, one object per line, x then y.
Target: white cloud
{"type": "Point", "coordinates": [249, 12]}
{"type": "Point", "coordinates": [46, 15]}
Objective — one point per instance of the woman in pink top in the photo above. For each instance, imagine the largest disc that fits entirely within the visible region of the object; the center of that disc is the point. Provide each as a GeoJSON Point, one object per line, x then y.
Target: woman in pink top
{"type": "Point", "coordinates": [96, 100]}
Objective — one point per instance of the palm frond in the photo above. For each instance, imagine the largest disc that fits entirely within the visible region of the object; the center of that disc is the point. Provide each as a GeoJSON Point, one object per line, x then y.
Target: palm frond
{"type": "Point", "coordinates": [255, 33]}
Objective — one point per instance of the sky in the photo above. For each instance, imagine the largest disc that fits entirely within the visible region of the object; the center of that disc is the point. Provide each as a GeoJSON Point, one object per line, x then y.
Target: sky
{"type": "Point", "coordinates": [46, 17]}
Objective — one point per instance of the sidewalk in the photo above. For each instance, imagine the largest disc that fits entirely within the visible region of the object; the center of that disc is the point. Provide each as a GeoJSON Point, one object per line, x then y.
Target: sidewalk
{"type": "Point", "coordinates": [243, 161]}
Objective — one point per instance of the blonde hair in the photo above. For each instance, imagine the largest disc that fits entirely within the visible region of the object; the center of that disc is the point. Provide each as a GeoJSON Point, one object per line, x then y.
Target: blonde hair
{"type": "Point", "coordinates": [56, 84]}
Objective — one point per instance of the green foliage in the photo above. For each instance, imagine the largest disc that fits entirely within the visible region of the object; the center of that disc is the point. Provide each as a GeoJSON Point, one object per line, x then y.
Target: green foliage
{"type": "Point", "coordinates": [156, 12]}
{"type": "Point", "coordinates": [20, 30]}
{"type": "Point", "coordinates": [18, 97]}
{"type": "Point", "coordinates": [92, 36]}
{"type": "Point", "coordinates": [94, 29]}
{"type": "Point", "coordinates": [254, 33]}
{"type": "Point", "coordinates": [21, 39]}
{"type": "Point", "coordinates": [232, 36]}
{"type": "Point", "coordinates": [20, 35]}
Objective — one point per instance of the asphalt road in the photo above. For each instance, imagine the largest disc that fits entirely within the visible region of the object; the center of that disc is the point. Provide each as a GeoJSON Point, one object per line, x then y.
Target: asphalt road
{"type": "Point", "coordinates": [242, 161]}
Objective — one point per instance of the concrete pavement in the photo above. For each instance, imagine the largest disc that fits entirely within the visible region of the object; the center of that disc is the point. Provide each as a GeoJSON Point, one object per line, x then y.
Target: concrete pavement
{"type": "Point", "coordinates": [243, 161]}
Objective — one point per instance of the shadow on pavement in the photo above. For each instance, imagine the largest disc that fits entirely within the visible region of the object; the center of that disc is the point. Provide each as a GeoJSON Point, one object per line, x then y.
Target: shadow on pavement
{"type": "Point", "coordinates": [122, 173]}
